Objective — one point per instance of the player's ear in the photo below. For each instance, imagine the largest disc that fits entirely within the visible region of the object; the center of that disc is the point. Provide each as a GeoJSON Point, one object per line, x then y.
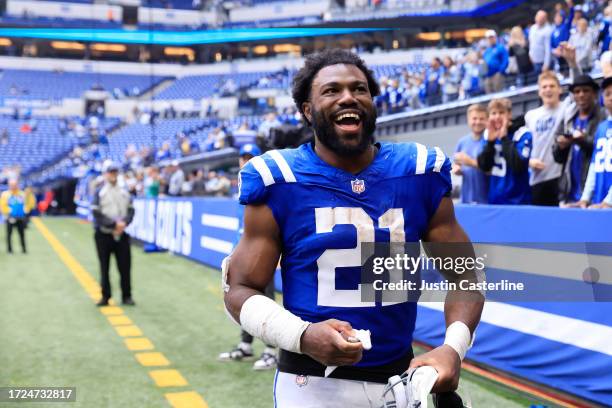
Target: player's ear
{"type": "Point", "coordinates": [306, 108]}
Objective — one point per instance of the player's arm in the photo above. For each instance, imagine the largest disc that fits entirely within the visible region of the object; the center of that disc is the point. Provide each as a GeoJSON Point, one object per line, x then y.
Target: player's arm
{"type": "Point", "coordinates": [250, 269]}
{"type": "Point", "coordinates": [253, 262]}
{"type": "Point", "coordinates": [462, 309]}
{"type": "Point", "coordinates": [464, 306]}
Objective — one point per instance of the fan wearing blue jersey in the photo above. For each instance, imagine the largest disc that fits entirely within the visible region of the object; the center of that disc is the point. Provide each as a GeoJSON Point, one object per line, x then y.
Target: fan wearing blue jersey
{"type": "Point", "coordinates": [315, 205]}
{"type": "Point", "coordinates": [506, 156]}
{"type": "Point", "coordinates": [598, 186]}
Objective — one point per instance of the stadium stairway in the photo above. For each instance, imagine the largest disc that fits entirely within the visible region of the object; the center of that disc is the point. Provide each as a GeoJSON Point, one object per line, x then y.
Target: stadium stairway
{"type": "Point", "coordinates": [156, 89]}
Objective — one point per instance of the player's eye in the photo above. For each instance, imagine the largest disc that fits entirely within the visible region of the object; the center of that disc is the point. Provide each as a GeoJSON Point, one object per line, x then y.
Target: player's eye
{"type": "Point", "coordinates": [329, 91]}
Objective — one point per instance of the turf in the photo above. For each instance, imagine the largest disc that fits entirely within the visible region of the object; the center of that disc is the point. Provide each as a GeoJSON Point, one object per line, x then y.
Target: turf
{"type": "Point", "coordinates": [51, 334]}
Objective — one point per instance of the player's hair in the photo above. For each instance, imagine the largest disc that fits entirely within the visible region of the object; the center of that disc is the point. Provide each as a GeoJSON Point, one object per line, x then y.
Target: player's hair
{"type": "Point", "coordinates": [500, 104]}
{"type": "Point", "coordinates": [302, 82]}
{"type": "Point", "coordinates": [548, 75]}
{"type": "Point", "coordinates": [477, 107]}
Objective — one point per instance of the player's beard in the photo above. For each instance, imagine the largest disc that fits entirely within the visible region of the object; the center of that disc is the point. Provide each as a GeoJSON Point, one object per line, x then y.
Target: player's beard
{"type": "Point", "coordinates": [325, 131]}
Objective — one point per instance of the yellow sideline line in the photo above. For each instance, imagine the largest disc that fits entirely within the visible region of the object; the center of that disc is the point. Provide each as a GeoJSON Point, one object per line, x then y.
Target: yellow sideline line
{"type": "Point", "coordinates": [132, 336]}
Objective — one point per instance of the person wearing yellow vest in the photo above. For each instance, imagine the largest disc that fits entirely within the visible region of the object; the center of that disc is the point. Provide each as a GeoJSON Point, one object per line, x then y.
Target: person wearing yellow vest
{"type": "Point", "coordinates": [16, 205]}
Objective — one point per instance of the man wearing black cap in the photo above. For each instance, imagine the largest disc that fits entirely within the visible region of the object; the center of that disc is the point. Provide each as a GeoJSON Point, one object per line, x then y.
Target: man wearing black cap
{"type": "Point", "coordinates": [574, 136]}
{"type": "Point", "coordinates": [113, 211]}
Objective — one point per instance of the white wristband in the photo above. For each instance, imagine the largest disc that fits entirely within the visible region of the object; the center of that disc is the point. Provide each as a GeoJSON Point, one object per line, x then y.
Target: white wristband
{"type": "Point", "coordinates": [265, 319]}
{"type": "Point", "coordinates": [459, 338]}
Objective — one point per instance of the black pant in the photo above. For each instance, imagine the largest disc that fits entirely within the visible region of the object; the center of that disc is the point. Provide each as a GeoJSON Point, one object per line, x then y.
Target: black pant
{"type": "Point", "coordinates": [107, 245]}
{"type": "Point", "coordinates": [546, 193]}
{"type": "Point", "coordinates": [19, 223]}
{"type": "Point", "coordinates": [246, 337]}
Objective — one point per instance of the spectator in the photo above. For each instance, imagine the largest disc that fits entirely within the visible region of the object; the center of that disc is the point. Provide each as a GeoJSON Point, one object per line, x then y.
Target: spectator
{"type": "Point", "coordinates": [606, 63]}
{"type": "Point", "coordinates": [561, 34]}
{"type": "Point", "coordinates": [151, 182]}
{"type": "Point", "coordinates": [270, 122]}
{"type": "Point", "coordinates": [519, 49]}
{"type": "Point", "coordinates": [432, 82]}
{"type": "Point", "coordinates": [177, 178]}
{"type": "Point", "coordinates": [450, 81]}
{"type": "Point", "coordinates": [539, 42]}
{"type": "Point", "coordinates": [396, 97]}
{"type": "Point", "coordinates": [496, 59]}
{"type": "Point", "coordinates": [164, 152]}
{"type": "Point", "coordinates": [574, 137]}
{"type": "Point", "coordinates": [598, 185]}
{"type": "Point", "coordinates": [4, 137]}
{"type": "Point", "coordinates": [605, 30]}
{"type": "Point", "coordinates": [582, 41]}
{"type": "Point", "coordinates": [187, 187]}
{"type": "Point", "coordinates": [506, 156]}
{"type": "Point", "coordinates": [474, 188]}
{"type": "Point", "coordinates": [473, 68]}
{"type": "Point", "coordinates": [542, 123]}
{"type": "Point", "coordinates": [199, 184]}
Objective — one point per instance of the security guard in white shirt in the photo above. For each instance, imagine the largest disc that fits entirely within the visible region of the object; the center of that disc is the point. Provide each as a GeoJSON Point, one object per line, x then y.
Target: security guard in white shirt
{"type": "Point", "coordinates": [113, 211]}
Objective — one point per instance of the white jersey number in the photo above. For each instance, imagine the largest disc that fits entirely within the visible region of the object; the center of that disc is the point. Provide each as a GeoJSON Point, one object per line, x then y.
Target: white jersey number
{"type": "Point", "coordinates": [326, 219]}
{"type": "Point", "coordinates": [499, 168]}
{"type": "Point", "coordinates": [603, 155]}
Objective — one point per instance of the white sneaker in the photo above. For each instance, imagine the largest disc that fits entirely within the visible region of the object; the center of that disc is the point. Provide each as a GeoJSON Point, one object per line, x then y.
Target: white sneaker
{"type": "Point", "coordinates": [237, 354]}
{"type": "Point", "coordinates": [267, 361]}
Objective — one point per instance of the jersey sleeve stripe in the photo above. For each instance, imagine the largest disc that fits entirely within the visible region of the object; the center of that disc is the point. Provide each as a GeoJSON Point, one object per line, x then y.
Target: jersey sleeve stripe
{"type": "Point", "coordinates": [439, 160]}
{"type": "Point", "coordinates": [421, 159]}
{"type": "Point", "coordinates": [263, 170]}
{"type": "Point", "coordinates": [283, 166]}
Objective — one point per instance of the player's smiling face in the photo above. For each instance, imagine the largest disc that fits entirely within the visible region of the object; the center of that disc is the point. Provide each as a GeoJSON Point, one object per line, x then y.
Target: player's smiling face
{"type": "Point", "coordinates": [341, 109]}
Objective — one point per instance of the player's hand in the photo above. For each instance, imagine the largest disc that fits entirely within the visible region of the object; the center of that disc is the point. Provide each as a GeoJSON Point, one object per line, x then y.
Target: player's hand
{"type": "Point", "coordinates": [326, 343]}
{"type": "Point", "coordinates": [448, 364]}
{"type": "Point", "coordinates": [537, 164]}
{"type": "Point", "coordinates": [456, 169]}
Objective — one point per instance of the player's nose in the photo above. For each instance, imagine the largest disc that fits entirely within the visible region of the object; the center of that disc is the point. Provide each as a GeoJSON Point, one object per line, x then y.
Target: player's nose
{"type": "Point", "coordinates": [347, 98]}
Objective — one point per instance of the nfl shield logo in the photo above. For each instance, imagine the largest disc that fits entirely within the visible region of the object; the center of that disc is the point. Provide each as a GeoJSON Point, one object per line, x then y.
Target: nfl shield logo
{"type": "Point", "coordinates": [358, 186]}
{"type": "Point", "coordinates": [301, 380]}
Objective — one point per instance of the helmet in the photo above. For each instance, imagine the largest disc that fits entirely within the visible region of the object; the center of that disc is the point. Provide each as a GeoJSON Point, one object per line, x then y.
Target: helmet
{"type": "Point", "coordinates": [412, 388]}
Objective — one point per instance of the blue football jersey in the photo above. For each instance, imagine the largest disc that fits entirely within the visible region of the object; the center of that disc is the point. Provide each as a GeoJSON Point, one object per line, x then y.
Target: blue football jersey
{"type": "Point", "coordinates": [506, 186]}
{"type": "Point", "coordinates": [325, 213]}
{"type": "Point", "coordinates": [601, 161]}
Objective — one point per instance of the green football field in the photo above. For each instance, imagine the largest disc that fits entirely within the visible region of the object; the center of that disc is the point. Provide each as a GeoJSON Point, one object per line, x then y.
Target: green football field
{"type": "Point", "coordinates": [159, 353]}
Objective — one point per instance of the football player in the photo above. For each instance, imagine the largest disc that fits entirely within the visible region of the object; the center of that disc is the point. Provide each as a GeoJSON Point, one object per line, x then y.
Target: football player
{"type": "Point", "coordinates": [315, 205]}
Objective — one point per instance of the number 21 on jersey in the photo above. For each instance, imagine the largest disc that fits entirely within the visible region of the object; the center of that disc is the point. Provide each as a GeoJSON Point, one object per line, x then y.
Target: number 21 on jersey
{"type": "Point", "coordinates": [326, 219]}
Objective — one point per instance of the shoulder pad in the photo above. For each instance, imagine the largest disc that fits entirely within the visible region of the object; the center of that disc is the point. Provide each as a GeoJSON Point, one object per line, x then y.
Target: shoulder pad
{"type": "Point", "coordinates": [261, 172]}
{"type": "Point", "coordinates": [415, 158]}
